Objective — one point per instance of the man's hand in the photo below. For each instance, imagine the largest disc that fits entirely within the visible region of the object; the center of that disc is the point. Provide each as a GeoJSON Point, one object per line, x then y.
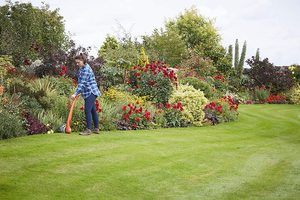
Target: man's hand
{"type": "Point", "coordinates": [73, 96]}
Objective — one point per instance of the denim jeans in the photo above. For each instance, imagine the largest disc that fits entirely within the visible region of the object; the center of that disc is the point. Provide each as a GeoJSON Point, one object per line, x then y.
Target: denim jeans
{"type": "Point", "coordinates": [91, 112]}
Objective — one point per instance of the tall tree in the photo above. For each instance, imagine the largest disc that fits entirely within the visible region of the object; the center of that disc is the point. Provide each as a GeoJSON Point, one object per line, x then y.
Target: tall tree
{"type": "Point", "coordinates": [257, 56]}
{"type": "Point", "coordinates": [236, 54]}
{"type": "Point", "coordinates": [29, 32]}
{"type": "Point", "coordinates": [200, 35]}
{"type": "Point", "coordinates": [110, 43]}
{"type": "Point", "coordinates": [230, 53]}
{"type": "Point", "coordinates": [166, 45]}
{"type": "Point", "coordinates": [242, 60]}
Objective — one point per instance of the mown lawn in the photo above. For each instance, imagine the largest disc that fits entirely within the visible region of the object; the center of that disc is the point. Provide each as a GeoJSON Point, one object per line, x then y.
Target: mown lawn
{"type": "Point", "coordinates": [257, 157]}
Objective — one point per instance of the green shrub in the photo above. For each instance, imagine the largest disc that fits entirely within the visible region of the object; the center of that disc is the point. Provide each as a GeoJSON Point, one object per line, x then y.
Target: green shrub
{"type": "Point", "coordinates": [63, 85]}
{"type": "Point", "coordinates": [228, 114]}
{"type": "Point", "coordinates": [295, 94]}
{"type": "Point", "coordinates": [260, 94]}
{"type": "Point", "coordinates": [111, 113]}
{"type": "Point", "coordinates": [176, 116]}
{"type": "Point", "coordinates": [31, 104]}
{"type": "Point", "coordinates": [11, 108]}
{"type": "Point", "coordinates": [50, 119]}
{"type": "Point", "coordinates": [10, 125]}
{"type": "Point", "coordinates": [193, 102]}
{"type": "Point", "coordinates": [199, 85]}
{"type": "Point", "coordinates": [110, 76]}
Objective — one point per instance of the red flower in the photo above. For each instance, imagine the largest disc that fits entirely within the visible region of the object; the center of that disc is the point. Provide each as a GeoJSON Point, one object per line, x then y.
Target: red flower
{"type": "Point", "coordinates": [147, 115]}
{"type": "Point", "coordinates": [161, 106]}
{"type": "Point", "coordinates": [219, 77]}
{"type": "Point", "coordinates": [64, 68]}
{"type": "Point", "coordinates": [137, 120]}
{"type": "Point", "coordinates": [179, 104]}
{"type": "Point", "coordinates": [134, 125]}
{"type": "Point", "coordinates": [124, 108]}
{"type": "Point", "coordinates": [175, 106]}
{"type": "Point", "coordinates": [168, 105]}
{"type": "Point", "coordinates": [126, 117]}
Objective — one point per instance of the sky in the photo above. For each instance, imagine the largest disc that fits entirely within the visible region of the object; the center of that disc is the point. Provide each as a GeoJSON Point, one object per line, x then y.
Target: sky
{"type": "Point", "coordinates": [273, 26]}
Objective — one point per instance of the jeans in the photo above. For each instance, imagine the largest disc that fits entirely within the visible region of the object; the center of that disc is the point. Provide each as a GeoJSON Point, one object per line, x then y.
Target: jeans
{"type": "Point", "coordinates": [91, 112]}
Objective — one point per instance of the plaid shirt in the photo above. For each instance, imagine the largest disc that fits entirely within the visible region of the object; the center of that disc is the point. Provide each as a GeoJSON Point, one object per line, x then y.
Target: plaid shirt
{"type": "Point", "coordinates": [86, 82]}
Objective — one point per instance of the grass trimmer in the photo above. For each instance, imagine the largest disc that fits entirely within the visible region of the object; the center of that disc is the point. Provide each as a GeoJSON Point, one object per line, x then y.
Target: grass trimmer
{"type": "Point", "coordinates": [68, 129]}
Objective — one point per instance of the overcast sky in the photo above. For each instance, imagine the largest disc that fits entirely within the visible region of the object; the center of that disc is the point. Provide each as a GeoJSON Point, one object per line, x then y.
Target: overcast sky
{"type": "Point", "coordinates": [271, 25]}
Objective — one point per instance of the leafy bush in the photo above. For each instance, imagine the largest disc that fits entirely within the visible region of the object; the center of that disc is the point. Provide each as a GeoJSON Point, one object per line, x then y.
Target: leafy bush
{"type": "Point", "coordinates": [51, 119]}
{"type": "Point", "coordinates": [295, 70]}
{"type": "Point", "coordinates": [110, 76]}
{"type": "Point", "coordinates": [10, 125]}
{"type": "Point", "coordinates": [264, 73]}
{"type": "Point", "coordinates": [193, 102]}
{"type": "Point", "coordinates": [10, 116]}
{"type": "Point", "coordinates": [219, 82]}
{"type": "Point", "coordinates": [134, 117]}
{"type": "Point", "coordinates": [154, 80]}
{"type": "Point", "coordinates": [33, 125]}
{"type": "Point", "coordinates": [295, 94]}
{"type": "Point", "coordinates": [63, 85]}
{"type": "Point", "coordinates": [260, 94]}
{"type": "Point", "coordinates": [176, 116]}
{"type": "Point", "coordinates": [222, 110]}
{"type": "Point", "coordinates": [202, 66]}
{"type": "Point", "coordinates": [199, 85]}
{"type": "Point", "coordinates": [111, 113]}
{"type": "Point", "coordinates": [31, 104]}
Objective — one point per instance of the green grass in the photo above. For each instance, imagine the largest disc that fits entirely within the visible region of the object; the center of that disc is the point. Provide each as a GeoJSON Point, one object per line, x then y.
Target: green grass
{"type": "Point", "coordinates": [257, 157]}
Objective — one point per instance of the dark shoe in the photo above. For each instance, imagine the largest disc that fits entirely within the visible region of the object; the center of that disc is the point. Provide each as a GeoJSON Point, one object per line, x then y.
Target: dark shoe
{"type": "Point", "coordinates": [96, 130]}
{"type": "Point", "coordinates": [86, 132]}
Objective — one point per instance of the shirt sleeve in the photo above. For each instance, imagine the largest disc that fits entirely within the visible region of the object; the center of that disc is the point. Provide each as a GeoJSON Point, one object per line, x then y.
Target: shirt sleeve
{"type": "Point", "coordinates": [82, 80]}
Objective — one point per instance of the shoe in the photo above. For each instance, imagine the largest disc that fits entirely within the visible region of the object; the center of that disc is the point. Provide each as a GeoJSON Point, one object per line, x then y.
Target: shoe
{"type": "Point", "coordinates": [86, 132]}
{"type": "Point", "coordinates": [96, 130]}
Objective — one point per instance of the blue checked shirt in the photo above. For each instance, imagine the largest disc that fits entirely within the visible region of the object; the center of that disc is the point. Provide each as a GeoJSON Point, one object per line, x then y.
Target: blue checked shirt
{"type": "Point", "coordinates": [87, 84]}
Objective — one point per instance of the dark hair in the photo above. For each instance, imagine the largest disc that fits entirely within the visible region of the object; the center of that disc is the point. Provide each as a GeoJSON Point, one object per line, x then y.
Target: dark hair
{"type": "Point", "coordinates": [81, 57]}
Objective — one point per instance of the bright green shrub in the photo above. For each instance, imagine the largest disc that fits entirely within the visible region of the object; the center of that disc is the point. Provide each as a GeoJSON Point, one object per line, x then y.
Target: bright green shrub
{"type": "Point", "coordinates": [193, 102]}
{"type": "Point", "coordinates": [295, 94]}
{"type": "Point", "coordinates": [117, 95]}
